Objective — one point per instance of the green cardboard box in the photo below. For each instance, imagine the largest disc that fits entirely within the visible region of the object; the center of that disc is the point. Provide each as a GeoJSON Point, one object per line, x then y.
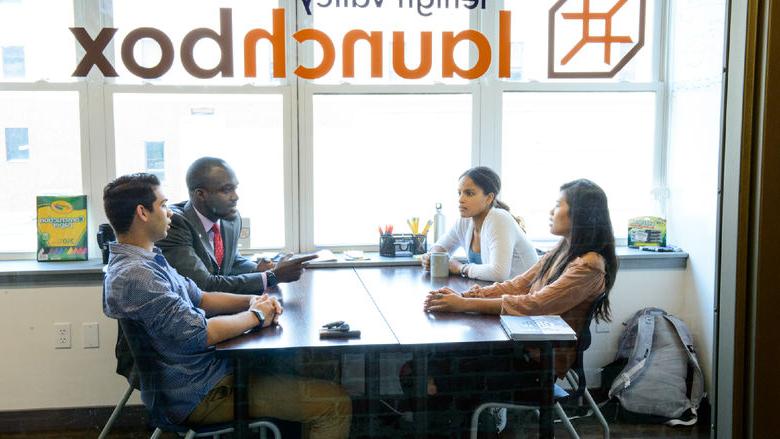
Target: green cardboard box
{"type": "Point", "coordinates": [62, 228]}
{"type": "Point", "coordinates": [647, 231]}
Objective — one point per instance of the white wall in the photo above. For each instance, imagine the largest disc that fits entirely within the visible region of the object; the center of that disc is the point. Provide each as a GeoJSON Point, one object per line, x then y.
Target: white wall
{"type": "Point", "coordinates": [634, 290]}
{"type": "Point", "coordinates": [33, 375]}
{"type": "Point", "coordinates": [694, 144]}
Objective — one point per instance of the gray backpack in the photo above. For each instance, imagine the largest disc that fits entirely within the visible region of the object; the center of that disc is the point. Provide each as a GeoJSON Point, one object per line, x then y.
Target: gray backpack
{"type": "Point", "coordinates": [662, 377]}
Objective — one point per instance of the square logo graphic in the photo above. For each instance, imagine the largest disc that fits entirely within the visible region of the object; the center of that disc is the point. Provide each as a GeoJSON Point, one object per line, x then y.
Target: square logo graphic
{"type": "Point", "coordinates": [594, 38]}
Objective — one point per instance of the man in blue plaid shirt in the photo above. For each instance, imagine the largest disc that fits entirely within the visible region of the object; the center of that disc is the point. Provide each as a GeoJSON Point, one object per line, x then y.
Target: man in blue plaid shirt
{"type": "Point", "coordinates": [183, 324]}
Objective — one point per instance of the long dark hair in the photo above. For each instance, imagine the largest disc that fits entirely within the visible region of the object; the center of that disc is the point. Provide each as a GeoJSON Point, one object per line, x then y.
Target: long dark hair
{"type": "Point", "coordinates": [490, 183]}
{"type": "Point", "coordinates": [591, 231]}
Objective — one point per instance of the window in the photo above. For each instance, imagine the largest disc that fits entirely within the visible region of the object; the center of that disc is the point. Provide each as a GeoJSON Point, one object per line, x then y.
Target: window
{"type": "Point", "coordinates": [529, 39]}
{"type": "Point", "coordinates": [245, 130]}
{"type": "Point", "coordinates": [578, 135]}
{"type": "Point", "coordinates": [300, 146]}
{"type": "Point", "coordinates": [578, 128]}
{"type": "Point", "coordinates": [383, 26]}
{"type": "Point", "coordinates": [155, 159]}
{"type": "Point", "coordinates": [13, 62]}
{"type": "Point", "coordinates": [409, 160]}
{"type": "Point", "coordinates": [42, 147]}
{"type": "Point", "coordinates": [381, 153]}
{"type": "Point", "coordinates": [17, 144]}
{"type": "Point", "coordinates": [207, 53]}
{"type": "Point", "coordinates": [37, 46]}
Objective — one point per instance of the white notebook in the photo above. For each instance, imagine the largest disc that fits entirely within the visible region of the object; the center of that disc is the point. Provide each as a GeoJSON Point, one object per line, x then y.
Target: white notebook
{"type": "Point", "coordinates": [536, 328]}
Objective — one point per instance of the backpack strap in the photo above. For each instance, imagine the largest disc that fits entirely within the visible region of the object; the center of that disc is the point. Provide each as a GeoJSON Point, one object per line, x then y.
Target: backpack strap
{"type": "Point", "coordinates": [627, 339]}
{"type": "Point", "coordinates": [642, 348]}
{"type": "Point", "coordinates": [697, 387]}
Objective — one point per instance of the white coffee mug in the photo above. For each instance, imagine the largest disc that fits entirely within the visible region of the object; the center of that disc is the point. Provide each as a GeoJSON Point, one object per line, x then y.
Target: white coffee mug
{"type": "Point", "coordinates": [440, 264]}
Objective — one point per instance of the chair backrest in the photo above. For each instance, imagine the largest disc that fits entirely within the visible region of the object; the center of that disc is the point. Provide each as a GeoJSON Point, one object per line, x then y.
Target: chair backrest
{"type": "Point", "coordinates": [125, 365]}
{"type": "Point", "coordinates": [147, 368]}
{"type": "Point", "coordinates": [583, 343]}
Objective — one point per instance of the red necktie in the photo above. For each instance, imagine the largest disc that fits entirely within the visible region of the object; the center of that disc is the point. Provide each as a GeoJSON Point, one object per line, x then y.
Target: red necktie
{"type": "Point", "coordinates": [219, 249]}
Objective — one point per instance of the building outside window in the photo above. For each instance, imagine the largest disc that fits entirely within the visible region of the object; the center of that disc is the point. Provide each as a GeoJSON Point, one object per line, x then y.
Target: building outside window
{"type": "Point", "coordinates": [155, 159]}
{"type": "Point", "coordinates": [17, 144]}
{"type": "Point", "coordinates": [13, 62]}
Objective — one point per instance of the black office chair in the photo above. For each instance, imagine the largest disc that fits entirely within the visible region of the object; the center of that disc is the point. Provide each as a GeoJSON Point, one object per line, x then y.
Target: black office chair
{"type": "Point", "coordinates": [576, 378]}
{"type": "Point", "coordinates": [125, 366]}
{"type": "Point", "coordinates": [144, 356]}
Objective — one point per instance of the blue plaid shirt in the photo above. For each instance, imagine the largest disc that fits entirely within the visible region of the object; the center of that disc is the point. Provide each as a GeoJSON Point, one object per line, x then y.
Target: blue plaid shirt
{"type": "Point", "coordinates": [142, 286]}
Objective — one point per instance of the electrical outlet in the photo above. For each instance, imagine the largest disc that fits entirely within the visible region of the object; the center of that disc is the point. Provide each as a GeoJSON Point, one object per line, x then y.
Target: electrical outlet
{"type": "Point", "coordinates": [62, 335]}
{"type": "Point", "coordinates": [90, 333]}
{"type": "Point", "coordinates": [602, 327]}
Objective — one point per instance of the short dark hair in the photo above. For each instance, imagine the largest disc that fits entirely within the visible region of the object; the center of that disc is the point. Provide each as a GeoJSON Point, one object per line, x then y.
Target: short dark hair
{"type": "Point", "coordinates": [124, 194]}
{"type": "Point", "coordinates": [199, 171]}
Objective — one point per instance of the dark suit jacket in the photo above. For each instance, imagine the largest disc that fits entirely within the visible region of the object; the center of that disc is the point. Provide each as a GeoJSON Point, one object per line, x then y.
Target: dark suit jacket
{"type": "Point", "coordinates": [188, 250]}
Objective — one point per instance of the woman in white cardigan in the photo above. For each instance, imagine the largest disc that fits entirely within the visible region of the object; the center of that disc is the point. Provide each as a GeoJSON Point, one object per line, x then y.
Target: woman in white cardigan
{"type": "Point", "coordinates": [496, 245]}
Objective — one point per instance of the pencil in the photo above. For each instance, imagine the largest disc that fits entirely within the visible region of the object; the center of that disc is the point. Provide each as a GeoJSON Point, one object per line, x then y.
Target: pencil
{"type": "Point", "coordinates": [427, 226]}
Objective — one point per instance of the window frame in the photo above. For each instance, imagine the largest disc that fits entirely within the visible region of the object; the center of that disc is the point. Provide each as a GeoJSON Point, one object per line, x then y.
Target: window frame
{"type": "Point", "coordinates": [98, 157]}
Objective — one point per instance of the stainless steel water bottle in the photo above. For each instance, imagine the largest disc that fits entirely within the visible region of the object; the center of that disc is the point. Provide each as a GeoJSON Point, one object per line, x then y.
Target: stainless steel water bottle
{"type": "Point", "coordinates": [439, 224]}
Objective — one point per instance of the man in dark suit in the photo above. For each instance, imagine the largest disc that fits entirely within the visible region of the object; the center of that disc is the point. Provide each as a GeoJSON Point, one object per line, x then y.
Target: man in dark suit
{"type": "Point", "coordinates": [202, 243]}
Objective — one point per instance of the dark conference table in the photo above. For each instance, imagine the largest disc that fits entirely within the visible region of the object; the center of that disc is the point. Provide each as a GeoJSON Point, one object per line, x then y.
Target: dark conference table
{"type": "Point", "coordinates": [386, 305]}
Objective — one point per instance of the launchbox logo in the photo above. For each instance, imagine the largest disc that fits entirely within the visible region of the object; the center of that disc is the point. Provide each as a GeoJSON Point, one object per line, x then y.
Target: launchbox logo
{"type": "Point", "coordinates": [587, 39]}
{"type": "Point", "coordinates": [594, 38]}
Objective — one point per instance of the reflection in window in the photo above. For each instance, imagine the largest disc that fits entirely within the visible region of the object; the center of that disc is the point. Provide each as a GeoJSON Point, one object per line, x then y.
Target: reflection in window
{"type": "Point", "coordinates": [530, 42]}
{"type": "Point", "coordinates": [168, 16]}
{"type": "Point", "coordinates": [17, 144]}
{"type": "Point", "coordinates": [13, 62]}
{"type": "Point", "coordinates": [394, 17]}
{"type": "Point", "coordinates": [155, 159]}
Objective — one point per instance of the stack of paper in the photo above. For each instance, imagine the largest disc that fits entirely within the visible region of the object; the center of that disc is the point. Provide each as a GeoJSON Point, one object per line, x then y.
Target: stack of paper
{"type": "Point", "coordinates": [530, 328]}
{"type": "Point", "coordinates": [325, 256]}
{"type": "Point", "coordinates": [355, 255]}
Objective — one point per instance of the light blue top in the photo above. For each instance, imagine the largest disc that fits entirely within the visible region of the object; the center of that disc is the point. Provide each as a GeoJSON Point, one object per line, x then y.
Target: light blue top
{"type": "Point", "coordinates": [141, 286]}
{"type": "Point", "coordinates": [474, 257]}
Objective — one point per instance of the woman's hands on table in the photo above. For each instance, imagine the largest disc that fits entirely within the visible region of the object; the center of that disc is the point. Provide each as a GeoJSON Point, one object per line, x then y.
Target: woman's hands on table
{"type": "Point", "coordinates": [445, 300]}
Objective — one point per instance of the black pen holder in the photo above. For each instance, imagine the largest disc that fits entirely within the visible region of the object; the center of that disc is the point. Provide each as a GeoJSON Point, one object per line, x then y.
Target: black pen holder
{"type": "Point", "coordinates": [403, 244]}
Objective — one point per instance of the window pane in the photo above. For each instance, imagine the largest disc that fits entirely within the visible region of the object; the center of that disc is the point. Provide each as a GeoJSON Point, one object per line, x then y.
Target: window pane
{"type": "Point", "coordinates": [383, 159]}
{"type": "Point", "coordinates": [244, 130]}
{"type": "Point", "coordinates": [170, 18]}
{"type": "Point", "coordinates": [529, 36]}
{"type": "Point", "coordinates": [552, 138]}
{"type": "Point", "coordinates": [48, 124]}
{"type": "Point", "coordinates": [337, 21]}
{"type": "Point", "coordinates": [37, 46]}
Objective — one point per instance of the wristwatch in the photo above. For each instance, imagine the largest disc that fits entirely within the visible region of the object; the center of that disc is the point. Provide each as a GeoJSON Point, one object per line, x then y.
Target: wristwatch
{"type": "Point", "coordinates": [270, 279]}
{"type": "Point", "coordinates": [463, 270]}
{"type": "Point", "coordinates": [260, 317]}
